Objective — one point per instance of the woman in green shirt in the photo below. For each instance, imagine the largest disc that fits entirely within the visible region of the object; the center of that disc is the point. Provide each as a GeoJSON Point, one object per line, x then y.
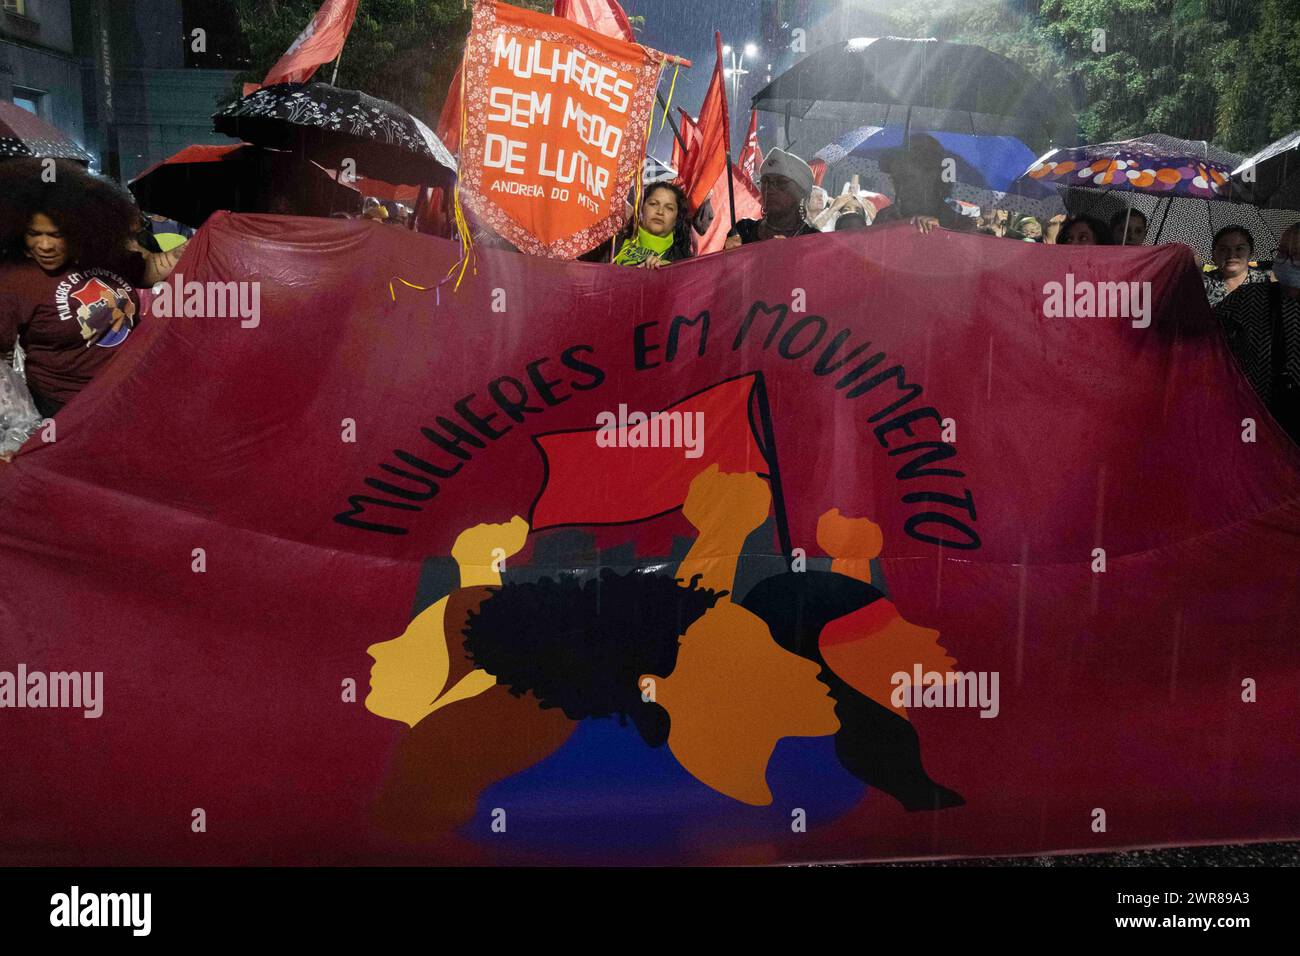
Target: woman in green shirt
{"type": "Point", "coordinates": [661, 233]}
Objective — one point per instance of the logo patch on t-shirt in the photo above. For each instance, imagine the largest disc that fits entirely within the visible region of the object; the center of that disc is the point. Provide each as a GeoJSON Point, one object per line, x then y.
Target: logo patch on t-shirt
{"type": "Point", "coordinates": [101, 303]}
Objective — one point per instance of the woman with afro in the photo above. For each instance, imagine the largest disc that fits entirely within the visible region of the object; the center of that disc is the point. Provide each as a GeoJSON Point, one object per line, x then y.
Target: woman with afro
{"type": "Point", "coordinates": [69, 266]}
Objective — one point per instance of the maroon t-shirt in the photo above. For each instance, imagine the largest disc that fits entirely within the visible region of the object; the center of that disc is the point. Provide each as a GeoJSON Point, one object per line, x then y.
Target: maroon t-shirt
{"type": "Point", "coordinates": [70, 323]}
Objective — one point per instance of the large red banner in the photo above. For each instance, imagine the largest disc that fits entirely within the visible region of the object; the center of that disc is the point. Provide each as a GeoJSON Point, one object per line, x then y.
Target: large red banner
{"type": "Point", "coordinates": [291, 563]}
{"type": "Point", "coordinates": [555, 128]}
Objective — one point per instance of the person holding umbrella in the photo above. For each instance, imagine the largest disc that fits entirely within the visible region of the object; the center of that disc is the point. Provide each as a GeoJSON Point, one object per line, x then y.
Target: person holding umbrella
{"type": "Point", "coordinates": [69, 266]}
{"type": "Point", "coordinates": [921, 192]}
{"type": "Point", "coordinates": [1083, 231]}
{"type": "Point", "coordinates": [1128, 227]}
{"type": "Point", "coordinates": [1233, 248]}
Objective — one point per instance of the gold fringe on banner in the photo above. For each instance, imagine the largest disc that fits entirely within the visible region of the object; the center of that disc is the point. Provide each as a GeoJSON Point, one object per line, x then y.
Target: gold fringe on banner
{"type": "Point", "coordinates": [669, 103]}
{"type": "Point", "coordinates": [392, 292]}
{"type": "Point", "coordinates": [462, 224]}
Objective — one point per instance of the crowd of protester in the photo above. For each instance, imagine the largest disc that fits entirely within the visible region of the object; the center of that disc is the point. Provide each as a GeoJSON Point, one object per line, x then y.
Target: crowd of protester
{"type": "Point", "coordinates": [84, 224]}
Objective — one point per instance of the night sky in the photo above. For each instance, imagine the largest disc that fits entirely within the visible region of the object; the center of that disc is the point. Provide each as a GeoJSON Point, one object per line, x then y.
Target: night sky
{"type": "Point", "coordinates": [685, 27]}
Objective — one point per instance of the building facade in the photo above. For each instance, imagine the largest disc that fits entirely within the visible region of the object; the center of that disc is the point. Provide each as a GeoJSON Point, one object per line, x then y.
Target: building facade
{"type": "Point", "coordinates": [40, 69]}
{"type": "Point", "coordinates": [152, 81]}
{"type": "Point", "coordinates": [132, 82]}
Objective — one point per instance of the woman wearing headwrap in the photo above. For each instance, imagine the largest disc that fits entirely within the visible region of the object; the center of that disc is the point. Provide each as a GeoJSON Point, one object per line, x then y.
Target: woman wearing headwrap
{"type": "Point", "coordinates": [785, 181]}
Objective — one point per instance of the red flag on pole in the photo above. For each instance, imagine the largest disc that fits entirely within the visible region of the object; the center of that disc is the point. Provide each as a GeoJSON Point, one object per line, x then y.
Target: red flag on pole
{"type": "Point", "coordinates": [751, 156]}
{"type": "Point", "coordinates": [449, 120]}
{"type": "Point", "coordinates": [690, 135]}
{"type": "Point", "coordinates": [749, 205]}
{"type": "Point", "coordinates": [319, 43]}
{"type": "Point", "coordinates": [603, 16]}
{"type": "Point", "coordinates": [700, 168]}
{"type": "Point", "coordinates": [629, 453]}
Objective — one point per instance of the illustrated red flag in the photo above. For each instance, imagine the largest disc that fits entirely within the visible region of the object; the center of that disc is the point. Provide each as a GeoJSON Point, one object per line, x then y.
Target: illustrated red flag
{"type": "Point", "coordinates": [321, 42]}
{"type": "Point", "coordinates": [603, 16]}
{"type": "Point", "coordinates": [583, 467]}
{"type": "Point", "coordinates": [751, 156]}
{"type": "Point", "coordinates": [706, 159]}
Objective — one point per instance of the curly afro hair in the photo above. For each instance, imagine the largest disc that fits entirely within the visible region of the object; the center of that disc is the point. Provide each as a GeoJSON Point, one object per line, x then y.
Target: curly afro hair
{"type": "Point", "coordinates": [96, 216]}
{"type": "Point", "coordinates": [583, 647]}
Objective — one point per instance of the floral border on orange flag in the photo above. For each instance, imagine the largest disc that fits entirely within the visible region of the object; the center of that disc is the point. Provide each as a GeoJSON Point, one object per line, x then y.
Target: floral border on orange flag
{"type": "Point", "coordinates": [511, 183]}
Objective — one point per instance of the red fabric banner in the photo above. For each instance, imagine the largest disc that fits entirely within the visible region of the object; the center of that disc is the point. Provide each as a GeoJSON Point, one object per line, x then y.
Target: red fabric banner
{"type": "Point", "coordinates": [449, 120]}
{"type": "Point", "coordinates": [320, 42]}
{"type": "Point", "coordinates": [555, 128]}
{"type": "Point", "coordinates": [603, 16]}
{"type": "Point", "coordinates": [275, 540]}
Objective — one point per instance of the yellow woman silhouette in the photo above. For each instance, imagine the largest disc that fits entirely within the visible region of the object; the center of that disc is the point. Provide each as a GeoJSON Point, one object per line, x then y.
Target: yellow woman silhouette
{"type": "Point", "coordinates": [409, 677]}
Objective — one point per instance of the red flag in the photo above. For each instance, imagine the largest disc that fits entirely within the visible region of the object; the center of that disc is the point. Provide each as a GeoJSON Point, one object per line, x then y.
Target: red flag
{"type": "Point", "coordinates": [583, 467]}
{"type": "Point", "coordinates": [449, 120]}
{"type": "Point", "coordinates": [535, 177]}
{"type": "Point", "coordinates": [818, 170]}
{"type": "Point", "coordinates": [319, 43]}
{"type": "Point", "coordinates": [751, 156]}
{"type": "Point", "coordinates": [690, 133]}
{"type": "Point", "coordinates": [603, 16]}
{"type": "Point", "coordinates": [749, 205]}
{"type": "Point", "coordinates": [700, 168]}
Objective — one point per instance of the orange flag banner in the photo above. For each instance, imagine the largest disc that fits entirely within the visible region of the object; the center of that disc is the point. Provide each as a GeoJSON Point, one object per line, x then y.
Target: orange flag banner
{"type": "Point", "coordinates": [555, 128]}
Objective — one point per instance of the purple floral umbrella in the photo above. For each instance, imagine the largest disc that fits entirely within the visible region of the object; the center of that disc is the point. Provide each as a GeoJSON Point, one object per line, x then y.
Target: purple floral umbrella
{"type": "Point", "coordinates": [1181, 186]}
{"type": "Point", "coordinates": [1155, 163]}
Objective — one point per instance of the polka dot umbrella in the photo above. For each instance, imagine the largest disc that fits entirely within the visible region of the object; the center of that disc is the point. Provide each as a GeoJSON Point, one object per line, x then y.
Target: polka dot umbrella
{"type": "Point", "coordinates": [26, 134]}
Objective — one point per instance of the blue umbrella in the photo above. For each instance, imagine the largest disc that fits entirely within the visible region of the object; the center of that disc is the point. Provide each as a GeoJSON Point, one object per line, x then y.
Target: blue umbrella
{"type": "Point", "coordinates": [986, 167]}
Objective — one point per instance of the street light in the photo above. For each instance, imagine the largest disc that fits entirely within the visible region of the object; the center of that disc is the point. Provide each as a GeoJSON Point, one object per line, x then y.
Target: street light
{"type": "Point", "coordinates": [737, 69]}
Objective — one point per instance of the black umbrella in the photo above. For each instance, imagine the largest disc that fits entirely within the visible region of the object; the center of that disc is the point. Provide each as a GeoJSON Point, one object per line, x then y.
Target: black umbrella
{"type": "Point", "coordinates": [199, 180]}
{"type": "Point", "coordinates": [329, 126]}
{"type": "Point", "coordinates": [1272, 176]}
{"type": "Point", "coordinates": [932, 84]}
{"type": "Point", "coordinates": [26, 134]}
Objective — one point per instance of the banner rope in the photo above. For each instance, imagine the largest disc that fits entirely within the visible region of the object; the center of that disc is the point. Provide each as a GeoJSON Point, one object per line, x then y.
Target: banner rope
{"type": "Point", "coordinates": [669, 102]}
{"type": "Point", "coordinates": [462, 224]}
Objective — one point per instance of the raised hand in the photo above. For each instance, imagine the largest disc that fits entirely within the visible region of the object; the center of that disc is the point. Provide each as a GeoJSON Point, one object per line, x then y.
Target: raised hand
{"type": "Point", "coordinates": [477, 548]}
{"type": "Point", "coordinates": [732, 502]}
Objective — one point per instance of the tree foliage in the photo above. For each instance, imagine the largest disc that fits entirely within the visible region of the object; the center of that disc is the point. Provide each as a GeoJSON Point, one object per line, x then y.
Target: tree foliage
{"type": "Point", "coordinates": [1221, 70]}
{"type": "Point", "coordinates": [400, 50]}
